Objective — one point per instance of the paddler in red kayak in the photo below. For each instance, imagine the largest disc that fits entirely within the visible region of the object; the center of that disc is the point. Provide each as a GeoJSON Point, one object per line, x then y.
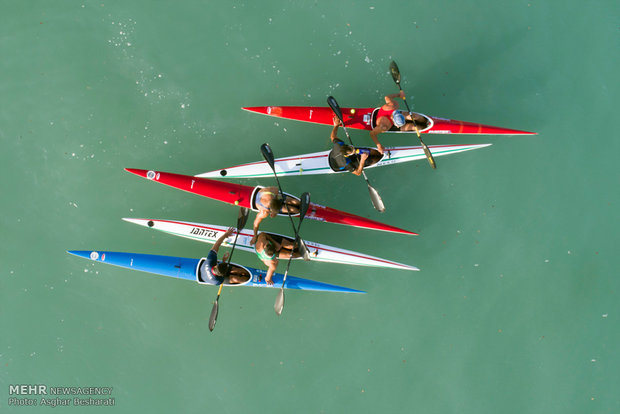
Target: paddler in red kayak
{"type": "Point", "coordinates": [269, 204]}
{"type": "Point", "coordinates": [271, 247]}
{"type": "Point", "coordinates": [389, 115]}
{"type": "Point", "coordinates": [346, 157]}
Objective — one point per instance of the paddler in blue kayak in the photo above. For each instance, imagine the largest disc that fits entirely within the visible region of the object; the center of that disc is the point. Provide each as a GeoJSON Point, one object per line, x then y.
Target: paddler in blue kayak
{"type": "Point", "coordinates": [269, 204]}
{"type": "Point", "coordinates": [270, 248]}
{"type": "Point", "coordinates": [389, 116]}
{"type": "Point", "coordinates": [346, 157]}
{"type": "Point", "coordinates": [213, 272]}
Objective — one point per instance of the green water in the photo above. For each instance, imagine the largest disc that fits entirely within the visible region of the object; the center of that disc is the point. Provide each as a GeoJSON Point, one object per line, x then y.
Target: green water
{"type": "Point", "coordinates": [515, 308]}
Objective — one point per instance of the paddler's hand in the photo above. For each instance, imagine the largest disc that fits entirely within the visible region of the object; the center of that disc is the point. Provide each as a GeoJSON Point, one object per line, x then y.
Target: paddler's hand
{"type": "Point", "coordinates": [380, 148]}
{"type": "Point", "coordinates": [230, 231]}
{"type": "Point", "coordinates": [253, 241]}
{"type": "Point", "coordinates": [336, 121]}
{"type": "Point", "coordinates": [402, 94]}
{"type": "Point", "coordinates": [268, 280]}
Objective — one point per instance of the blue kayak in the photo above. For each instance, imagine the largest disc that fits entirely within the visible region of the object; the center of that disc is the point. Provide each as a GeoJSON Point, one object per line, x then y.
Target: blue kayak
{"type": "Point", "coordinates": [189, 269]}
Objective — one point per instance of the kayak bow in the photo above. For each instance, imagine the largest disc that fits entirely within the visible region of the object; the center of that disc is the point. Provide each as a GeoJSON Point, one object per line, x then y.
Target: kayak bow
{"type": "Point", "coordinates": [318, 162]}
{"type": "Point", "coordinates": [209, 233]}
{"type": "Point", "coordinates": [188, 269]}
{"type": "Point", "coordinates": [364, 118]}
{"type": "Point", "coordinates": [244, 196]}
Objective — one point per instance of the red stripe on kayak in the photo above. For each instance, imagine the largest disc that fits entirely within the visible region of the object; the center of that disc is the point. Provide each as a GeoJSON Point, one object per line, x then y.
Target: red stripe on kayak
{"type": "Point", "coordinates": [279, 160]}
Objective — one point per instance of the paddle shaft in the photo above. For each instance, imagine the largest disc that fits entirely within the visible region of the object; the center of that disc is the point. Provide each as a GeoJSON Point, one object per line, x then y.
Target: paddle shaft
{"type": "Point", "coordinates": [219, 292]}
{"type": "Point", "coordinates": [338, 113]}
{"type": "Point", "coordinates": [284, 200]}
{"type": "Point", "coordinates": [243, 218]}
{"type": "Point", "coordinates": [290, 259]}
{"type": "Point", "coordinates": [349, 137]}
{"type": "Point", "coordinates": [268, 155]}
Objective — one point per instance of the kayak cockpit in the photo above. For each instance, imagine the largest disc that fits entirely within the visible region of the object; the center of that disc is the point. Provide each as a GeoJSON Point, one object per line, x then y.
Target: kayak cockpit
{"type": "Point", "coordinates": [254, 206]}
{"type": "Point", "coordinates": [375, 157]}
{"type": "Point", "coordinates": [238, 270]}
{"type": "Point", "coordinates": [423, 122]}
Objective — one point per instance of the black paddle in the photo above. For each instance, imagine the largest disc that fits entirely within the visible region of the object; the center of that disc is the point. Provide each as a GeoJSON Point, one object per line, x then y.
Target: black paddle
{"type": "Point", "coordinates": [265, 149]}
{"type": "Point", "coordinates": [241, 220]}
{"type": "Point", "coordinates": [396, 76]}
{"type": "Point", "coordinates": [303, 209]}
{"type": "Point", "coordinates": [377, 202]}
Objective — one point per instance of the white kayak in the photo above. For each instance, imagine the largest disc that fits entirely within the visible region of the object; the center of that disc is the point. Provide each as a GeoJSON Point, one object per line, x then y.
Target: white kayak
{"type": "Point", "coordinates": [318, 162]}
{"type": "Point", "coordinates": [209, 233]}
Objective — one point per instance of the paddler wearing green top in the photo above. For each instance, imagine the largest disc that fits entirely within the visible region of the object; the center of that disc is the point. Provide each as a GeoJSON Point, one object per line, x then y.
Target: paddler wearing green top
{"type": "Point", "coordinates": [269, 204]}
{"type": "Point", "coordinates": [389, 115]}
{"type": "Point", "coordinates": [346, 157]}
{"type": "Point", "coordinates": [271, 247]}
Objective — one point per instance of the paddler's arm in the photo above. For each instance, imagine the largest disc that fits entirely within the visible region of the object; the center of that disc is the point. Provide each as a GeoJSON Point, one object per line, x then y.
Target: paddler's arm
{"type": "Point", "coordinates": [360, 167]}
{"type": "Point", "coordinates": [376, 131]}
{"type": "Point", "coordinates": [259, 217]}
{"type": "Point", "coordinates": [223, 237]}
{"type": "Point", "coordinates": [333, 135]}
{"type": "Point", "coordinates": [272, 268]}
{"type": "Point", "coordinates": [389, 99]}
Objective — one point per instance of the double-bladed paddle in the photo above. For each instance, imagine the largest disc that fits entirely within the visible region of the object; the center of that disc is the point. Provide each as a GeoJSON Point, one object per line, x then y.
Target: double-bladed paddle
{"type": "Point", "coordinates": [303, 209]}
{"type": "Point", "coordinates": [241, 220]}
{"type": "Point", "coordinates": [377, 202]}
{"type": "Point", "coordinates": [396, 76]}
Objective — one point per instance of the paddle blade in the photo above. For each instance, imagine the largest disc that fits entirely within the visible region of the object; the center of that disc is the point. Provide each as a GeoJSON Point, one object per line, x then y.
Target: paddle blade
{"type": "Point", "coordinates": [303, 249]}
{"type": "Point", "coordinates": [395, 72]}
{"type": "Point", "coordinates": [213, 317]}
{"type": "Point", "coordinates": [265, 149]}
{"type": "Point", "coordinates": [279, 305]}
{"type": "Point", "coordinates": [376, 199]}
{"type": "Point", "coordinates": [244, 212]}
{"type": "Point", "coordinates": [305, 204]}
{"type": "Point", "coordinates": [331, 101]}
{"type": "Point", "coordinates": [427, 152]}
{"type": "Point", "coordinates": [429, 156]}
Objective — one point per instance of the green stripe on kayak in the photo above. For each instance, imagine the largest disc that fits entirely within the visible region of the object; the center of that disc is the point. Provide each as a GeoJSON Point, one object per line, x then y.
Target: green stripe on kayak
{"type": "Point", "coordinates": [438, 153]}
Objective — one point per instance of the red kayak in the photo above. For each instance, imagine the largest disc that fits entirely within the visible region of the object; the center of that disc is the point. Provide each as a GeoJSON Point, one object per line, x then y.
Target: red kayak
{"type": "Point", "coordinates": [245, 196]}
{"type": "Point", "coordinates": [365, 118]}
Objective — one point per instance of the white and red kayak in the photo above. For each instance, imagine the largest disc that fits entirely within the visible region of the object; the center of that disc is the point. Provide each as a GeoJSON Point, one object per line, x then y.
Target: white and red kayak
{"type": "Point", "coordinates": [365, 118]}
{"type": "Point", "coordinates": [209, 233]}
{"type": "Point", "coordinates": [318, 162]}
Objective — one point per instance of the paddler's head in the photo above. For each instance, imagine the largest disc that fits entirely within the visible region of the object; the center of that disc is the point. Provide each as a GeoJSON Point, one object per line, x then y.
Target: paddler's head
{"type": "Point", "coordinates": [270, 249]}
{"type": "Point", "coordinates": [348, 150]}
{"type": "Point", "coordinates": [219, 269]}
{"type": "Point", "coordinates": [398, 118]}
{"type": "Point", "coordinates": [275, 205]}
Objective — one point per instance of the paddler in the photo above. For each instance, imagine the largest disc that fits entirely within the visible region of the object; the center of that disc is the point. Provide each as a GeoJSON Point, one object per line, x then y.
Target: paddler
{"type": "Point", "coordinates": [271, 247]}
{"type": "Point", "coordinates": [346, 157]}
{"type": "Point", "coordinates": [389, 115]}
{"type": "Point", "coordinates": [214, 272]}
{"type": "Point", "coordinates": [269, 204]}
